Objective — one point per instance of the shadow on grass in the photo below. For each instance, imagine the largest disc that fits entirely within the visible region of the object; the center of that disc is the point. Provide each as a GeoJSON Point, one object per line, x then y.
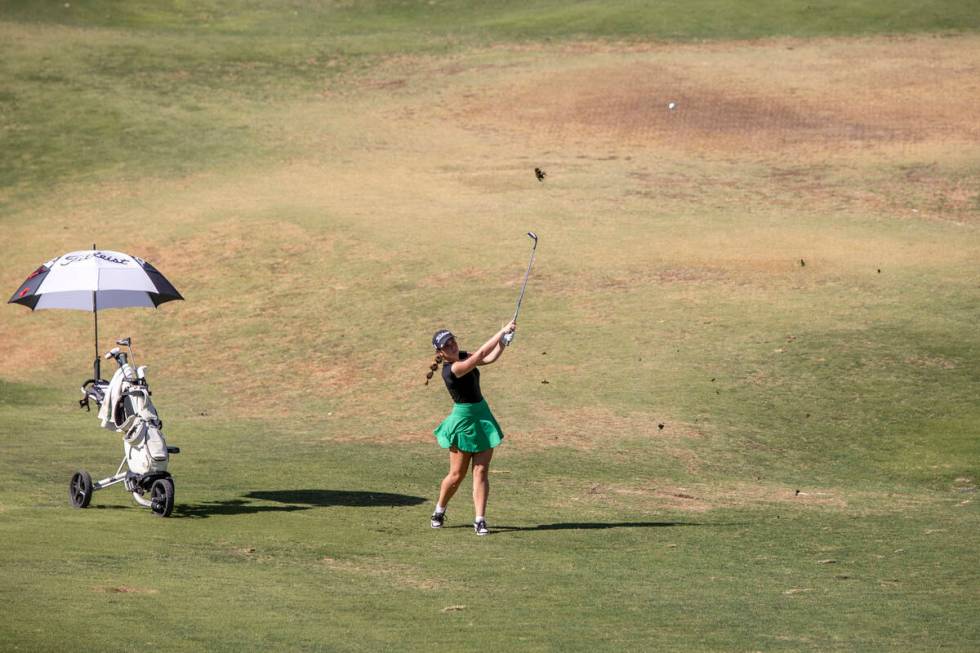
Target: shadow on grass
{"type": "Point", "coordinates": [230, 507]}
{"type": "Point", "coordinates": [294, 500]}
{"type": "Point", "coordinates": [320, 498]}
{"type": "Point", "coordinates": [589, 526]}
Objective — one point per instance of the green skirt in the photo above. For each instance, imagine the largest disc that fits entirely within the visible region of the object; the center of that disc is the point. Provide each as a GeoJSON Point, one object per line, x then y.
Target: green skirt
{"type": "Point", "coordinates": [470, 428]}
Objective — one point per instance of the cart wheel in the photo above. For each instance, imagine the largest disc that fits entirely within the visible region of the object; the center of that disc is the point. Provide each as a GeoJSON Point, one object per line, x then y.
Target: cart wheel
{"type": "Point", "coordinates": [162, 497]}
{"type": "Point", "coordinates": [80, 489]}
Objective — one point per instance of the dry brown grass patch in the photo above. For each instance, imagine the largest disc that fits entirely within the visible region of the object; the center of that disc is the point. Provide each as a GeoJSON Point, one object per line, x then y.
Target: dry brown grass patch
{"type": "Point", "coordinates": [588, 428]}
{"type": "Point", "coordinates": [699, 497]}
{"type": "Point", "coordinates": [125, 589]}
{"type": "Point", "coordinates": [456, 278]}
{"type": "Point", "coordinates": [393, 573]}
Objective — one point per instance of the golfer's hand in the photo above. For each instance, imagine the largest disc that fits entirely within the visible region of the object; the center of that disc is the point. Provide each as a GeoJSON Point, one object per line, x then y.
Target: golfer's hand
{"type": "Point", "coordinates": [510, 327]}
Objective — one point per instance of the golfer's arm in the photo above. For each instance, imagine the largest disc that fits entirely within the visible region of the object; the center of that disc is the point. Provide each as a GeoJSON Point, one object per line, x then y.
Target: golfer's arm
{"type": "Point", "coordinates": [493, 355]}
{"type": "Point", "coordinates": [479, 356]}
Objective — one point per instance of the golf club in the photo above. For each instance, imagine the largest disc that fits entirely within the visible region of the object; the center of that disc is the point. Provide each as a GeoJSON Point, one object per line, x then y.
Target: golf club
{"type": "Point", "coordinates": [509, 337]}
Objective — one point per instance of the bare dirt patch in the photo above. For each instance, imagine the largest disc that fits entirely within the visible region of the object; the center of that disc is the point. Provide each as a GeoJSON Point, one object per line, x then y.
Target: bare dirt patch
{"type": "Point", "coordinates": [757, 97]}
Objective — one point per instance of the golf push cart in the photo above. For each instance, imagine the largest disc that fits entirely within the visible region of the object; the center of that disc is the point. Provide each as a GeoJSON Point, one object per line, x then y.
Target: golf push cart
{"type": "Point", "coordinates": [125, 407]}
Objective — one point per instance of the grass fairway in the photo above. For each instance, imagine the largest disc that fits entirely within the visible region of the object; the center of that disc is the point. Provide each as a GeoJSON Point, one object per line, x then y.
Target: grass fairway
{"type": "Point", "coordinates": [741, 409]}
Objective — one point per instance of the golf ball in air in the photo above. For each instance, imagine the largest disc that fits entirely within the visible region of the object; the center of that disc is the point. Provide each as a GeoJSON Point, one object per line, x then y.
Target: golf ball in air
{"type": "Point", "coordinates": [671, 106]}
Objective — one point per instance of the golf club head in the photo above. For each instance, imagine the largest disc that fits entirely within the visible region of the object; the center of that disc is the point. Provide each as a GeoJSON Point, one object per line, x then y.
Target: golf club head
{"type": "Point", "coordinates": [533, 237]}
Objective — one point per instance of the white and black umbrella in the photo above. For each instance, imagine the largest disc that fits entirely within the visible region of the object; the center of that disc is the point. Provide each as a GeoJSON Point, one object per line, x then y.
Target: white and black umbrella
{"type": "Point", "coordinates": [94, 280]}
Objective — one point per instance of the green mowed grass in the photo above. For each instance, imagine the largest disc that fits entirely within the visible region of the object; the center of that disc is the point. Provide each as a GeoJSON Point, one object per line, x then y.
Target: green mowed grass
{"type": "Point", "coordinates": [810, 351]}
{"type": "Point", "coordinates": [324, 547]}
{"type": "Point", "coordinates": [398, 22]}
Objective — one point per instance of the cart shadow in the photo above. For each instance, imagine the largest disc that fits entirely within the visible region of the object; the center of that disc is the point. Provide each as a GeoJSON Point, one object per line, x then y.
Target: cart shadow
{"type": "Point", "coordinates": [229, 507]}
{"type": "Point", "coordinates": [294, 500]}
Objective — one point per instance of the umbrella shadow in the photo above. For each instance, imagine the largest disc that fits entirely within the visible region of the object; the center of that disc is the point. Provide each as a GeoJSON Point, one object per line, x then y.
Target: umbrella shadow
{"type": "Point", "coordinates": [294, 500]}
{"type": "Point", "coordinates": [325, 498]}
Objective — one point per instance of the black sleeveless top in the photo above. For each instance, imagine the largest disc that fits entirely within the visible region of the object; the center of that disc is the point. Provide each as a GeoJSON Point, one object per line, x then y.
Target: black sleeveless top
{"type": "Point", "coordinates": [463, 389]}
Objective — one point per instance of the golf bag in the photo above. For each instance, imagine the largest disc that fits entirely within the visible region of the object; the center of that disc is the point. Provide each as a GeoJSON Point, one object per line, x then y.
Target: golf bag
{"type": "Point", "coordinates": [125, 407]}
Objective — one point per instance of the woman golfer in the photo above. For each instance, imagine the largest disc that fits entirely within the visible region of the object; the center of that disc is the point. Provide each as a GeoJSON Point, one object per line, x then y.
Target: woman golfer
{"type": "Point", "coordinates": [470, 432]}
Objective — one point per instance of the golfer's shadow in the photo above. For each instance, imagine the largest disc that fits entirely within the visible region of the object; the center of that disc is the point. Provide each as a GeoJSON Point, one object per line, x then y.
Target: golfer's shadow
{"type": "Point", "coordinates": [294, 500]}
{"type": "Point", "coordinates": [587, 526]}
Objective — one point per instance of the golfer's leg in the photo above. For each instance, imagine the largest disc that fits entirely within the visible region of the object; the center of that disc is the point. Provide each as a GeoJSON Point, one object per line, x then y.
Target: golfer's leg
{"type": "Point", "coordinates": [459, 461]}
{"type": "Point", "coordinates": [481, 481]}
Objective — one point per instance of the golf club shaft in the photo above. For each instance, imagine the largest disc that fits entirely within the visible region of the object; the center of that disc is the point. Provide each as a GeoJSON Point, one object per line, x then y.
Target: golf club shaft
{"type": "Point", "coordinates": [527, 274]}
{"type": "Point", "coordinates": [509, 337]}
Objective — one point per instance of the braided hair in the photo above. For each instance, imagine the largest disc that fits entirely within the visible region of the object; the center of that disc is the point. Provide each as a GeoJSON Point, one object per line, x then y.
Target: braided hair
{"type": "Point", "coordinates": [433, 367]}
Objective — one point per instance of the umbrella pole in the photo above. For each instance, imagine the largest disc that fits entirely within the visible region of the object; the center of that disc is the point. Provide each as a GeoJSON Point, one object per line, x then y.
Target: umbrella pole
{"type": "Point", "coordinates": [95, 311]}
{"type": "Point", "coordinates": [98, 361]}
